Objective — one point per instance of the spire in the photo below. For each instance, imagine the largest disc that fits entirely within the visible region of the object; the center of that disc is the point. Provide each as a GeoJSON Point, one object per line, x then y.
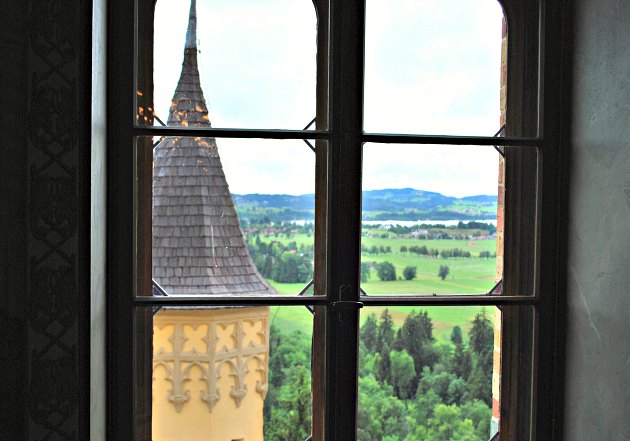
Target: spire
{"type": "Point", "coordinates": [188, 106]}
{"type": "Point", "coordinates": [198, 245]}
{"type": "Point", "coordinates": [191, 34]}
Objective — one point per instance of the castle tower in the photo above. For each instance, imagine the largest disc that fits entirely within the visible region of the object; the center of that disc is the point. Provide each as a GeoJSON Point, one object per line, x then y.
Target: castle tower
{"type": "Point", "coordinates": [198, 246]}
{"type": "Point", "coordinates": [209, 364]}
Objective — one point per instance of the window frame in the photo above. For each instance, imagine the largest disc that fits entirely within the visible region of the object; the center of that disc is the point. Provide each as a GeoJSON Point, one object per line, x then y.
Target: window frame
{"type": "Point", "coordinates": [531, 409]}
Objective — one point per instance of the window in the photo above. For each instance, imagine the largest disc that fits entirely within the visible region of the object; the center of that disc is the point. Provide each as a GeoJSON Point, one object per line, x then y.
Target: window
{"type": "Point", "coordinates": [340, 146]}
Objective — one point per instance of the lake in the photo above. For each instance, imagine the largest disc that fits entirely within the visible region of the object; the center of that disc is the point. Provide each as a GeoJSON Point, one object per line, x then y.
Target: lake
{"type": "Point", "coordinates": [406, 223]}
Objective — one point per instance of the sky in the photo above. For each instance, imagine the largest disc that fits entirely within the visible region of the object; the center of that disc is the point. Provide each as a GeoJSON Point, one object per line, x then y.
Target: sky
{"type": "Point", "coordinates": [431, 67]}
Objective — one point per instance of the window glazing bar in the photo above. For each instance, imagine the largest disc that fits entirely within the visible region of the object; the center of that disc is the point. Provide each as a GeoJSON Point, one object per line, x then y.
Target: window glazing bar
{"type": "Point", "coordinates": [211, 300]}
{"type": "Point", "coordinates": [473, 141]}
{"type": "Point", "coordinates": [230, 133]}
{"type": "Point", "coordinates": [447, 300]}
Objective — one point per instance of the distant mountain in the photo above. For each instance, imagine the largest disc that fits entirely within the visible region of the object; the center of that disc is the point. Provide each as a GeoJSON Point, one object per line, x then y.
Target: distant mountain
{"type": "Point", "coordinates": [484, 198]}
{"type": "Point", "coordinates": [386, 204]}
{"type": "Point", "coordinates": [302, 202]}
{"type": "Point", "coordinates": [404, 199]}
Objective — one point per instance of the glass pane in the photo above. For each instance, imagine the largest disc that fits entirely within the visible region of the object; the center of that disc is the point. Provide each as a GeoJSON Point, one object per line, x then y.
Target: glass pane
{"type": "Point", "coordinates": [431, 219]}
{"type": "Point", "coordinates": [228, 373]}
{"type": "Point", "coordinates": [429, 373]}
{"type": "Point", "coordinates": [433, 67]}
{"type": "Point", "coordinates": [232, 216]}
{"type": "Point", "coordinates": [245, 64]}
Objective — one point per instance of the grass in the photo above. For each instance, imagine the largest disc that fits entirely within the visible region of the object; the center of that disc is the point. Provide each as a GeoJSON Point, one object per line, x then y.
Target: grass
{"type": "Point", "coordinates": [466, 276]}
{"type": "Point", "coordinates": [297, 318]}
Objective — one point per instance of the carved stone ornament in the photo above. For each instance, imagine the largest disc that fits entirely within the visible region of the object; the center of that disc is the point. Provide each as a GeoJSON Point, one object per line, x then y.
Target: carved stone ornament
{"type": "Point", "coordinates": [234, 341]}
{"type": "Point", "coordinates": [238, 394]}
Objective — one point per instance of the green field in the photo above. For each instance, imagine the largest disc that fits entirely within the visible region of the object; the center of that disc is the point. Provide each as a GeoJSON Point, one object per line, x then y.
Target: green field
{"type": "Point", "coordinates": [467, 275]}
{"type": "Point", "coordinates": [297, 318]}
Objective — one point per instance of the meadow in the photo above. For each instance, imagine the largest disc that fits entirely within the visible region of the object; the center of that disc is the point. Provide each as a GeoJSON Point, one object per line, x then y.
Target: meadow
{"type": "Point", "coordinates": [472, 275]}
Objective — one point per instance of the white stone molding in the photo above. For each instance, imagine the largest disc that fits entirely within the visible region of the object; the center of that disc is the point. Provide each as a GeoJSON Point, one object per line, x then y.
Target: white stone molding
{"type": "Point", "coordinates": [238, 350]}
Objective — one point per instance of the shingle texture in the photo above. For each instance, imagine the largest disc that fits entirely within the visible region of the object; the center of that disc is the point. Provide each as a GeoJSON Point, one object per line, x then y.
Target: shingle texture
{"type": "Point", "coordinates": [198, 245]}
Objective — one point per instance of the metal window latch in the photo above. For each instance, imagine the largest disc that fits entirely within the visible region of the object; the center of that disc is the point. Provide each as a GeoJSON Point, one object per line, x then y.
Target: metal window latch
{"type": "Point", "coordinates": [347, 305]}
{"type": "Point", "coordinates": [346, 291]}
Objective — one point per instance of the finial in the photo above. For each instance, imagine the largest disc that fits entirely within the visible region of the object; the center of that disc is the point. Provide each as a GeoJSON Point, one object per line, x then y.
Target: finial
{"type": "Point", "coordinates": [191, 34]}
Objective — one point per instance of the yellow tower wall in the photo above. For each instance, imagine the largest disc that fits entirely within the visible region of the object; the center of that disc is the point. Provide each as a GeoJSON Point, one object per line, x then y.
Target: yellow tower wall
{"type": "Point", "coordinates": [209, 374]}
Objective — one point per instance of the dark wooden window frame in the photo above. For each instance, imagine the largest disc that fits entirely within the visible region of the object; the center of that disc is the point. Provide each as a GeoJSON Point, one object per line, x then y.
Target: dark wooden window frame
{"type": "Point", "coordinates": [530, 397]}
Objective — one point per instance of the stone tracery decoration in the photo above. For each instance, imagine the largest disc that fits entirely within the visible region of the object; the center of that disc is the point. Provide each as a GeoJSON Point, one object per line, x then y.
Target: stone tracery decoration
{"type": "Point", "coordinates": [248, 343]}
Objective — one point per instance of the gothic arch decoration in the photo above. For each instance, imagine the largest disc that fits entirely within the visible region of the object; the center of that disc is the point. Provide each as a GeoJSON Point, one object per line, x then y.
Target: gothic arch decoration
{"type": "Point", "coordinates": [237, 342]}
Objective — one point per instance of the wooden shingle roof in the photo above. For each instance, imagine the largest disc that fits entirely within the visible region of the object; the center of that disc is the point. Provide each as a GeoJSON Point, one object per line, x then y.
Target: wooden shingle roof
{"type": "Point", "coordinates": [198, 245]}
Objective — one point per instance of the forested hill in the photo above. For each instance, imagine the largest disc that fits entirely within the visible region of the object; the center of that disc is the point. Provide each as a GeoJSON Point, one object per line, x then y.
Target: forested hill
{"type": "Point", "coordinates": [395, 204]}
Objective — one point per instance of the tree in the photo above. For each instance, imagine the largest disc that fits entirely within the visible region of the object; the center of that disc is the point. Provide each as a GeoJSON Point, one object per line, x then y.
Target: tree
{"type": "Point", "coordinates": [409, 272]}
{"type": "Point", "coordinates": [416, 337]}
{"type": "Point", "coordinates": [480, 385]}
{"type": "Point", "coordinates": [480, 415]}
{"type": "Point", "coordinates": [386, 271]}
{"type": "Point", "coordinates": [369, 333]}
{"type": "Point", "coordinates": [461, 362]}
{"type": "Point", "coordinates": [366, 271]}
{"type": "Point", "coordinates": [403, 373]}
{"type": "Point", "coordinates": [456, 336]}
{"type": "Point", "coordinates": [443, 271]}
{"type": "Point", "coordinates": [290, 417]}
{"type": "Point", "coordinates": [385, 332]}
{"type": "Point", "coordinates": [421, 409]}
{"type": "Point", "coordinates": [288, 403]}
{"type": "Point", "coordinates": [437, 382]}
{"type": "Point", "coordinates": [482, 333]}
{"type": "Point", "coordinates": [482, 346]}
{"type": "Point", "coordinates": [267, 268]}
{"type": "Point", "coordinates": [456, 391]}
{"type": "Point", "coordinates": [447, 424]}
{"type": "Point", "coordinates": [384, 342]}
{"type": "Point", "coordinates": [381, 415]}
{"type": "Point", "coordinates": [382, 367]}
{"type": "Point", "coordinates": [291, 268]}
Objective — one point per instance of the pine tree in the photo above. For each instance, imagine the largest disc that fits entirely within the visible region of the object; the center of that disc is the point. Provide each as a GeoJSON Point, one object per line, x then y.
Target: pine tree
{"type": "Point", "coordinates": [369, 333]}
{"type": "Point", "coordinates": [416, 337]}
{"type": "Point", "coordinates": [462, 363]}
{"type": "Point", "coordinates": [456, 336]}
{"type": "Point", "coordinates": [482, 346]}
{"type": "Point", "coordinates": [481, 334]}
{"type": "Point", "coordinates": [385, 336]}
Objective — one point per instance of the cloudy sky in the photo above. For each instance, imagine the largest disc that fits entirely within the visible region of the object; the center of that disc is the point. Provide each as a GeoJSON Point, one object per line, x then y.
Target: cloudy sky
{"type": "Point", "coordinates": [432, 67]}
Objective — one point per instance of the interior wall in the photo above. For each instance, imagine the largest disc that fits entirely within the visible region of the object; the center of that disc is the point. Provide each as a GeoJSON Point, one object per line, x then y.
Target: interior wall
{"type": "Point", "coordinates": [13, 219]}
{"type": "Point", "coordinates": [44, 221]}
{"type": "Point", "coordinates": [598, 321]}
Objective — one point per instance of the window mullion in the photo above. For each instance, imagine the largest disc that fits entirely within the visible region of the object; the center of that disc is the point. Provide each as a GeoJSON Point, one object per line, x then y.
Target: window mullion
{"type": "Point", "coordinates": [121, 375]}
{"type": "Point", "coordinates": [344, 215]}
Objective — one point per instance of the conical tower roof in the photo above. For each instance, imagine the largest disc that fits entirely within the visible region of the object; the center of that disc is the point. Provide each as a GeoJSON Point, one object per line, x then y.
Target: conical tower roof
{"type": "Point", "coordinates": [198, 245]}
